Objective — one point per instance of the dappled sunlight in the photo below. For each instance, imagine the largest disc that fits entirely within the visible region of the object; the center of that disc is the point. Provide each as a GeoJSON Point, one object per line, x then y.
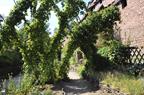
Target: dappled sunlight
{"type": "Point", "coordinates": [67, 47]}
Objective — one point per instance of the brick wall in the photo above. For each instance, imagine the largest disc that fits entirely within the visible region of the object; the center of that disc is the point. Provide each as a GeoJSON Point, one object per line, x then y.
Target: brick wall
{"type": "Point", "coordinates": [132, 23]}
{"type": "Point", "coordinates": [131, 27]}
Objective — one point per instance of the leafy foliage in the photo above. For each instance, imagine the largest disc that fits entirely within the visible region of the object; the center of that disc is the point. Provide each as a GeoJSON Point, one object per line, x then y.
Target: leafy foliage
{"type": "Point", "coordinates": [39, 50]}
{"type": "Point", "coordinates": [85, 36]}
{"type": "Point", "coordinates": [112, 51]}
{"type": "Point", "coordinates": [136, 70]}
{"type": "Point", "coordinates": [26, 87]}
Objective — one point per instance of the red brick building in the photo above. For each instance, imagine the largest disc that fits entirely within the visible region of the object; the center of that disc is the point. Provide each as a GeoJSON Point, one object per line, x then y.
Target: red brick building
{"type": "Point", "coordinates": [131, 27]}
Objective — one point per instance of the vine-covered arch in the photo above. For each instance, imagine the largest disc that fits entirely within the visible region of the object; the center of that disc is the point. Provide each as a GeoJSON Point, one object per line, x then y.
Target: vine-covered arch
{"type": "Point", "coordinates": [39, 50]}
{"type": "Point", "coordinates": [84, 35]}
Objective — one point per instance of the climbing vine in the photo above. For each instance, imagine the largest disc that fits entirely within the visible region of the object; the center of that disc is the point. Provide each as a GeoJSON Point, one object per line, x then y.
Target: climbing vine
{"type": "Point", "coordinates": [85, 36]}
{"type": "Point", "coordinates": [39, 50]}
{"type": "Point", "coordinates": [16, 15]}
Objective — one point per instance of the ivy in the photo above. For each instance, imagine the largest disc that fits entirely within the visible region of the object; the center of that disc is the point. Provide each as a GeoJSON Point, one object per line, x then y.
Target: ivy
{"type": "Point", "coordinates": [16, 15]}
{"type": "Point", "coordinates": [39, 50]}
{"type": "Point", "coordinates": [85, 35]}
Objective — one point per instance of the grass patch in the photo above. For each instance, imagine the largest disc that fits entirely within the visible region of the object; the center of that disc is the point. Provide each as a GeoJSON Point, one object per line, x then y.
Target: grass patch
{"type": "Point", "coordinates": [126, 83]}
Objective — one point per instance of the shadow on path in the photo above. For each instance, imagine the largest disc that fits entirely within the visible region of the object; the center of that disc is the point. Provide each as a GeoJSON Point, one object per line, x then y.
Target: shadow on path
{"type": "Point", "coordinates": [75, 86]}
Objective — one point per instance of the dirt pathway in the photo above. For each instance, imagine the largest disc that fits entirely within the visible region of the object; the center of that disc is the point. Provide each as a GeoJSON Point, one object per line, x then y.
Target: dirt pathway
{"type": "Point", "coordinates": [75, 86]}
{"type": "Point", "coordinates": [78, 86]}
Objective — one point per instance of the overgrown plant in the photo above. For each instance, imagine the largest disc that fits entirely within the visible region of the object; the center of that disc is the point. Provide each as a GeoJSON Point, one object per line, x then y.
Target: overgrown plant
{"type": "Point", "coordinates": [85, 36]}
{"type": "Point", "coordinates": [38, 50]}
{"type": "Point", "coordinates": [25, 87]}
{"type": "Point", "coordinates": [112, 51]}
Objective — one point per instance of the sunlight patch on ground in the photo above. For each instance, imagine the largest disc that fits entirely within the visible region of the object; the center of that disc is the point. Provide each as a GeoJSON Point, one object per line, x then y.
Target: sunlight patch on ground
{"type": "Point", "coordinates": [73, 75]}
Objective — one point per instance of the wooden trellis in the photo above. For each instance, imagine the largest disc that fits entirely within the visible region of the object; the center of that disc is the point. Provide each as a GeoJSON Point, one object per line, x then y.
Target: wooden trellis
{"type": "Point", "coordinates": [133, 55]}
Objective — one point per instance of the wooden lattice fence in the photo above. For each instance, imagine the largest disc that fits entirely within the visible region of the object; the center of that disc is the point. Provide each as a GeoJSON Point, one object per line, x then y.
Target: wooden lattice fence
{"type": "Point", "coordinates": [133, 55]}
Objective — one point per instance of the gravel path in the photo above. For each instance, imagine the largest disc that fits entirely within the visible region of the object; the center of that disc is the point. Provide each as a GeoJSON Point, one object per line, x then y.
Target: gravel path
{"type": "Point", "coordinates": [77, 86]}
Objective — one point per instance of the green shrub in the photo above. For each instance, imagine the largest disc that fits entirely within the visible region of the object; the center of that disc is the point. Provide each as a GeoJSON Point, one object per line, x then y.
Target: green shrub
{"type": "Point", "coordinates": [80, 69]}
{"type": "Point", "coordinates": [112, 51]}
{"type": "Point", "coordinates": [26, 87]}
{"type": "Point", "coordinates": [10, 57]}
{"type": "Point", "coordinates": [72, 60]}
{"type": "Point", "coordinates": [136, 70]}
{"type": "Point", "coordinates": [23, 88]}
